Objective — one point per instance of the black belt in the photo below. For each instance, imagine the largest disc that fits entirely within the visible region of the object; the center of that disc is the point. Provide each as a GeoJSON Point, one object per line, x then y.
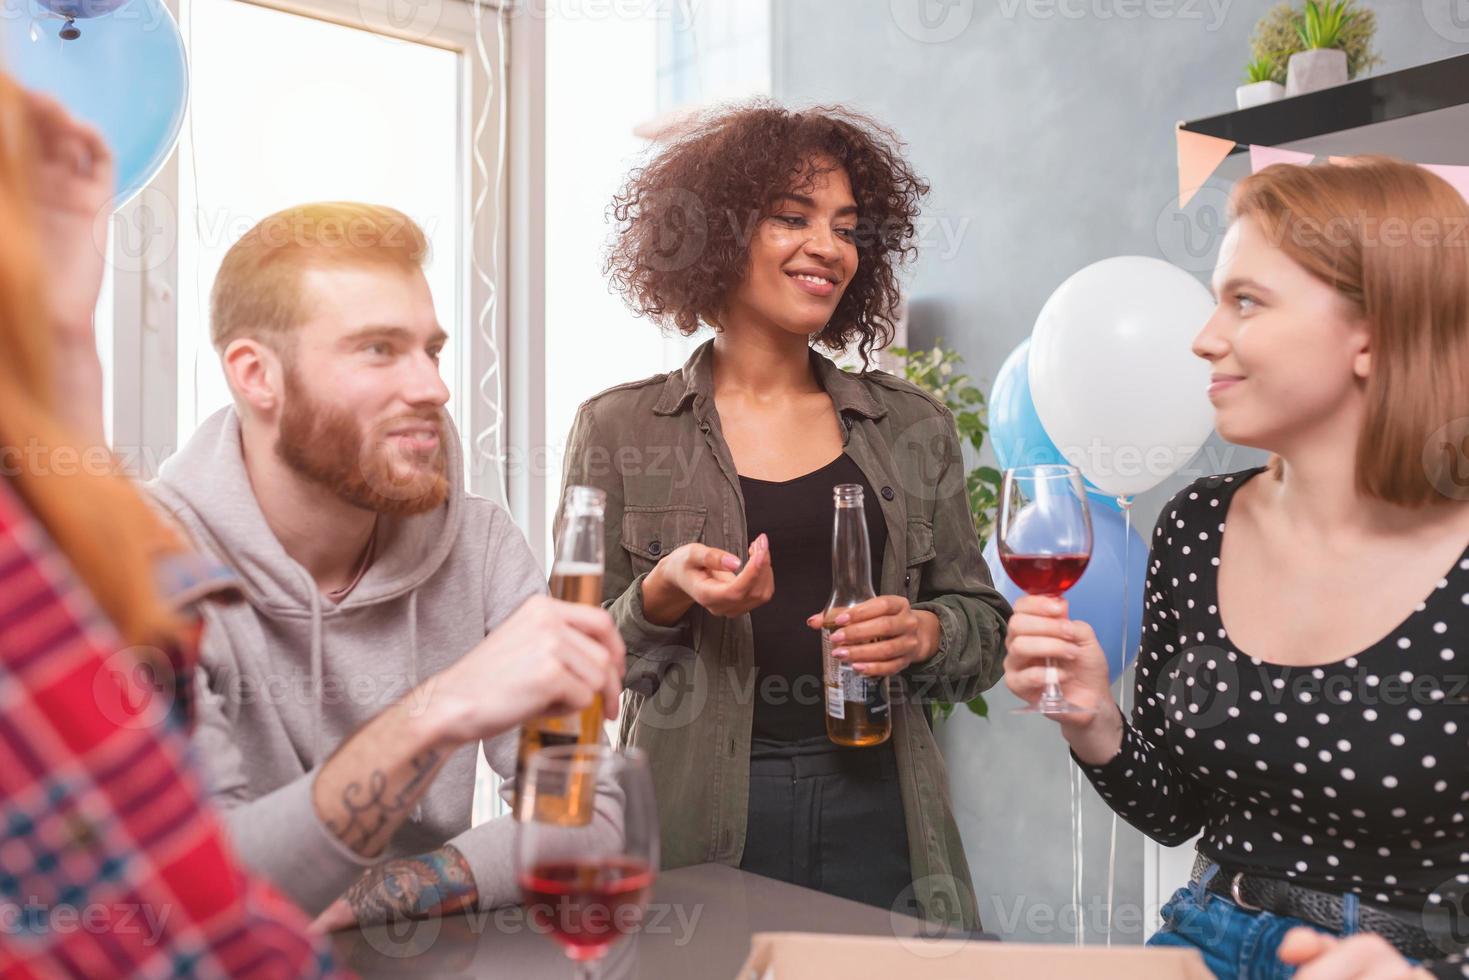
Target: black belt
{"type": "Point", "coordinates": [1255, 893]}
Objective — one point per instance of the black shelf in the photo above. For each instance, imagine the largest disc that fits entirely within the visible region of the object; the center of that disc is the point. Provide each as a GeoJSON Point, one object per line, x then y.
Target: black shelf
{"type": "Point", "coordinates": [1408, 113]}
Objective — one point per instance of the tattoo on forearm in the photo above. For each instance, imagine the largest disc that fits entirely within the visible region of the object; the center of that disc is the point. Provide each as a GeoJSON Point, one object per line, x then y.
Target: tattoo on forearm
{"type": "Point", "coordinates": [369, 813]}
{"type": "Point", "coordinates": [413, 888]}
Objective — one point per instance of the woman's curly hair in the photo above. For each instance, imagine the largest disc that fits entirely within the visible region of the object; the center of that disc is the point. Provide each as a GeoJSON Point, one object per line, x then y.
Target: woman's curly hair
{"type": "Point", "coordinates": [685, 220]}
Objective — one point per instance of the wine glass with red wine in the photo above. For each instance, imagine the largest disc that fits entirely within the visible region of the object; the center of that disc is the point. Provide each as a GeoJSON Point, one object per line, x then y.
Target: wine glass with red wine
{"type": "Point", "coordinates": [1045, 542]}
{"type": "Point", "coordinates": [587, 846]}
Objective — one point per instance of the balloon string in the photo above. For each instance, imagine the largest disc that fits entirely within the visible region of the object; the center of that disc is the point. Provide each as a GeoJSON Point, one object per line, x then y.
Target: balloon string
{"type": "Point", "coordinates": [1076, 858]}
{"type": "Point", "coordinates": [1081, 853]}
{"type": "Point", "coordinates": [1126, 504]}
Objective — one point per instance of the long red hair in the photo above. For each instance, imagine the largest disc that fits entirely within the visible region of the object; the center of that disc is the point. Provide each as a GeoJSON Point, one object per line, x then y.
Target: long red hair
{"type": "Point", "coordinates": [99, 520]}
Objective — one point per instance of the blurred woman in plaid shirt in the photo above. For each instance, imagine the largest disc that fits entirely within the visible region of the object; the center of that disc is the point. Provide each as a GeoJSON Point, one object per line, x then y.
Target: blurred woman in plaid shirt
{"type": "Point", "coordinates": [111, 863]}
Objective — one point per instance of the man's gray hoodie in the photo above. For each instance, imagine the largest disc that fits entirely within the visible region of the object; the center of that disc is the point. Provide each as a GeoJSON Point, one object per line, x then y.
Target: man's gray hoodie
{"type": "Point", "coordinates": [287, 675]}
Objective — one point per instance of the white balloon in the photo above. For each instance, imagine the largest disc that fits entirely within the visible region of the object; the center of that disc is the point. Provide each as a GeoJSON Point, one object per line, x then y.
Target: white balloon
{"type": "Point", "coordinates": [1113, 378]}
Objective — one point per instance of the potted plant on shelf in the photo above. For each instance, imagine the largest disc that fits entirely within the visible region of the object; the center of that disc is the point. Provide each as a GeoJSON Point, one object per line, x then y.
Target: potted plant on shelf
{"type": "Point", "coordinates": [1298, 40]}
{"type": "Point", "coordinates": [1321, 63]}
{"type": "Point", "coordinates": [1260, 84]}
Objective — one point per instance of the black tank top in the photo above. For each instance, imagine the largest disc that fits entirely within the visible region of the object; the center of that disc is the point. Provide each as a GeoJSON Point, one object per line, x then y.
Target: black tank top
{"type": "Point", "coordinates": [797, 517]}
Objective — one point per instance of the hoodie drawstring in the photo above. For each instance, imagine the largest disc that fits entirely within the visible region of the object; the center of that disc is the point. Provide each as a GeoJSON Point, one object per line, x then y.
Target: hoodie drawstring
{"type": "Point", "coordinates": [316, 671]}
{"type": "Point", "coordinates": [317, 655]}
{"type": "Point", "coordinates": [417, 815]}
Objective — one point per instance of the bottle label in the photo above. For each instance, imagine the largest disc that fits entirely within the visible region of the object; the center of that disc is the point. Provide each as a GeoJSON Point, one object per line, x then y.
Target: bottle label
{"type": "Point", "coordinates": [836, 705]}
{"type": "Point", "coordinates": [843, 684]}
{"type": "Point", "coordinates": [862, 689]}
{"type": "Point", "coordinates": [533, 738]}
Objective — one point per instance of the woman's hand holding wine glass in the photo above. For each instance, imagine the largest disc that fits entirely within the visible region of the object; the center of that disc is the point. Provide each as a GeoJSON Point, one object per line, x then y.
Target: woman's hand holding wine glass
{"type": "Point", "coordinates": [1040, 634]}
{"type": "Point", "coordinates": [1053, 663]}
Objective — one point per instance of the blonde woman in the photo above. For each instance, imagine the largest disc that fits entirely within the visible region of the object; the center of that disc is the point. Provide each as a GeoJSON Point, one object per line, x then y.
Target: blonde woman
{"type": "Point", "coordinates": [1301, 695]}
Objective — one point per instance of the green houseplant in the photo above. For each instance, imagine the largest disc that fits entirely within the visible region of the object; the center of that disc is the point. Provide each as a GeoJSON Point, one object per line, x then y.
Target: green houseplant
{"type": "Point", "coordinates": [1260, 84]}
{"type": "Point", "coordinates": [1259, 70]}
{"type": "Point", "coordinates": [1323, 22]}
{"type": "Point", "coordinates": [1286, 31]}
{"type": "Point", "coordinates": [938, 372]}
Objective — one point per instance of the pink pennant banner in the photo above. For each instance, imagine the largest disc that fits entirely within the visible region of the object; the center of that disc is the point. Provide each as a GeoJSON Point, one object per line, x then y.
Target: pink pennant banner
{"type": "Point", "coordinates": [1199, 155]}
{"type": "Point", "coordinates": [1263, 156]}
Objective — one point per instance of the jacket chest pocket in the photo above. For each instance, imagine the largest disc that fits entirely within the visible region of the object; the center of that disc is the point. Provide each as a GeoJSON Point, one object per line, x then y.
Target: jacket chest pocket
{"type": "Point", "coordinates": [920, 551]}
{"type": "Point", "coordinates": [649, 533]}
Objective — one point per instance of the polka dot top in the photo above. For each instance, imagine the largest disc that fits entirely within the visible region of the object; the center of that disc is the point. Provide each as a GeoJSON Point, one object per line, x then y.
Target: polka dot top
{"type": "Point", "coordinates": [1351, 776]}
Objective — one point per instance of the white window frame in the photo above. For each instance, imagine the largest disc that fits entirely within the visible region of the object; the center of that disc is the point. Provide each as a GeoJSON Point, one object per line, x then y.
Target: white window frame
{"type": "Point", "coordinates": [145, 282]}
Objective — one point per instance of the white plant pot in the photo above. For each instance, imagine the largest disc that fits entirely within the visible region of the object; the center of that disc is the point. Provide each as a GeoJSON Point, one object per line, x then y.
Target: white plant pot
{"type": "Point", "coordinates": [1258, 93]}
{"type": "Point", "coordinates": [1312, 71]}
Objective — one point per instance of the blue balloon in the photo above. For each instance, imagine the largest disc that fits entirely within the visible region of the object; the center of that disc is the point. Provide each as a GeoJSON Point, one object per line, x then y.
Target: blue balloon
{"type": "Point", "coordinates": [1015, 428]}
{"type": "Point", "coordinates": [82, 8]}
{"type": "Point", "coordinates": [124, 73]}
{"type": "Point", "coordinates": [1099, 597]}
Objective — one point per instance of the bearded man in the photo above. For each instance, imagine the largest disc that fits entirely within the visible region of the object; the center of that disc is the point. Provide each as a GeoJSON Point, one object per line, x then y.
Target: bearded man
{"type": "Point", "coordinates": [392, 623]}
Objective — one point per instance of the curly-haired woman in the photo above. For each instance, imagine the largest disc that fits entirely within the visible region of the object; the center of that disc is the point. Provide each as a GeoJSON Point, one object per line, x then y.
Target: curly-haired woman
{"type": "Point", "coordinates": [781, 230]}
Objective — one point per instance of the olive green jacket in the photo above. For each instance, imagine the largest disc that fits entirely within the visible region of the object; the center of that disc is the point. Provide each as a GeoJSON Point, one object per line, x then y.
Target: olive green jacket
{"type": "Point", "coordinates": [656, 448]}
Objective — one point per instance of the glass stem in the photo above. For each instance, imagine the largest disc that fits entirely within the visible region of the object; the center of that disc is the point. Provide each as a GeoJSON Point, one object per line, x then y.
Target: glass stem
{"type": "Point", "coordinates": [587, 970]}
{"type": "Point", "coordinates": [1052, 692]}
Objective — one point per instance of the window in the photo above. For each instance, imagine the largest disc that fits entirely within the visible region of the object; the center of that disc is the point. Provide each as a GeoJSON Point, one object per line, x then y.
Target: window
{"type": "Point", "coordinates": [331, 113]}
{"type": "Point", "coordinates": [712, 51]}
{"type": "Point", "coordinates": [313, 100]}
{"type": "Point", "coordinates": [662, 58]}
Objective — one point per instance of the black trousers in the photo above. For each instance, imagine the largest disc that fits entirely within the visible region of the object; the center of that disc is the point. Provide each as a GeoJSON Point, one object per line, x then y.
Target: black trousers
{"type": "Point", "coordinates": [828, 817]}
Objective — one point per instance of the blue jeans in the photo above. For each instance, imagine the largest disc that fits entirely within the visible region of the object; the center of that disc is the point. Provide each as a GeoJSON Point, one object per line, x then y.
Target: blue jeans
{"type": "Point", "coordinates": [1236, 944]}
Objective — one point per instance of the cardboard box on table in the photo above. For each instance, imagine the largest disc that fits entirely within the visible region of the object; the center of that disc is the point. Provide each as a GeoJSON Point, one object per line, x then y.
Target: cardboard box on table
{"type": "Point", "coordinates": [809, 956]}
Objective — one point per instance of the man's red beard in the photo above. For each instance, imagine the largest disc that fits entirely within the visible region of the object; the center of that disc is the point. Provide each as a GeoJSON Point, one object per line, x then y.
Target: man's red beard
{"type": "Point", "coordinates": [328, 447]}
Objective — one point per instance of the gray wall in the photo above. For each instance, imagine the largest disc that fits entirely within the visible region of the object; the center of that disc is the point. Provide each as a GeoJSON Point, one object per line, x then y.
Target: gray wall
{"type": "Point", "coordinates": [1046, 129]}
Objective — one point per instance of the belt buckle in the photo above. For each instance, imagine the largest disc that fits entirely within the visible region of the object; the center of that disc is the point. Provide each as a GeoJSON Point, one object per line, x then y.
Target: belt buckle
{"type": "Point", "coordinates": [1239, 899]}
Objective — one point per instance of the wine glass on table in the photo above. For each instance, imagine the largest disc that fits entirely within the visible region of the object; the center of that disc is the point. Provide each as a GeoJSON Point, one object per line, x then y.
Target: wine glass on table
{"type": "Point", "coordinates": [1045, 543]}
{"type": "Point", "coordinates": [587, 847]}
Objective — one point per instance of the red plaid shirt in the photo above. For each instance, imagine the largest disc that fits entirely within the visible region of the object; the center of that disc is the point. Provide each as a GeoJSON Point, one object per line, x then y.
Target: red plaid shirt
{"type": "Point", "coordinates": [111, 861]}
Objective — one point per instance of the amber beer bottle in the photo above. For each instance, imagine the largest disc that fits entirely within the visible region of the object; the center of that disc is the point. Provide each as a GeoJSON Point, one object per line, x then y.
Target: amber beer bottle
{"type": "Point", "coordinates": [576, 576]}
{"type": "Point", "coordinates": [857, 709]}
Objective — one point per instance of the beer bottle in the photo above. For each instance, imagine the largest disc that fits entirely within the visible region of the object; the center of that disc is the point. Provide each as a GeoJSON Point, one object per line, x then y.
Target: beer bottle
{"type": "Point", "coordinates": [576, 576]}
{"type": "Point", "coordinates": [857, 709]}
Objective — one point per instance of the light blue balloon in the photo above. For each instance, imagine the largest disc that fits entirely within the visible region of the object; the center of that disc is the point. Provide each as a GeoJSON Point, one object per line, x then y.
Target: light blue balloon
{"type": "Point", "coordinates": [125, 75]}
{"type": "Point", "coordinates": [1099, 597]}
{"type": "Point", "coordinates": [82, 8]}
{"type": "Point", "coordinates": [1015, 428]}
